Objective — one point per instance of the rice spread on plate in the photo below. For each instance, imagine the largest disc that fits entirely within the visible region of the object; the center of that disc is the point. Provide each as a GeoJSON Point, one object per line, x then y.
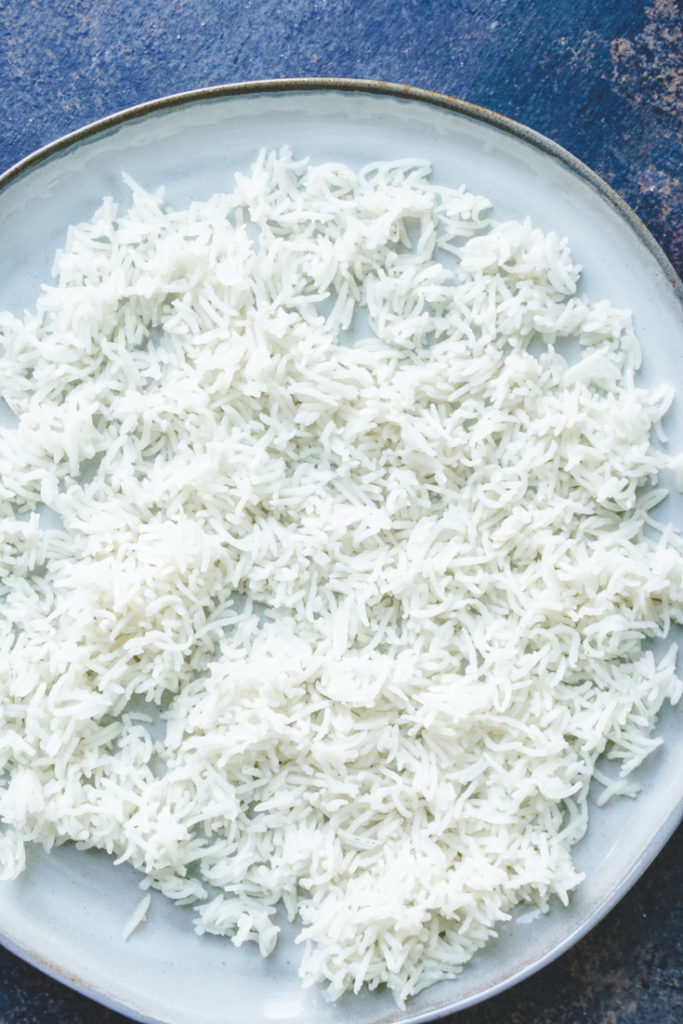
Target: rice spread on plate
{"type": "Point", "coordinates": [327, 572]}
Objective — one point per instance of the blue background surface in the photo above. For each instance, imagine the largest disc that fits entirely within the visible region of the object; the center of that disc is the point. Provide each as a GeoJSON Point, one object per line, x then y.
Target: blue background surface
{"type": "Point", "coordinates": [604, 78]}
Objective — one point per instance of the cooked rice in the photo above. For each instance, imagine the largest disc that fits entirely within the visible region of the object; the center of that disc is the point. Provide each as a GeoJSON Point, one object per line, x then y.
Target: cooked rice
{"type": "Point", "coordinates": [388, 588]}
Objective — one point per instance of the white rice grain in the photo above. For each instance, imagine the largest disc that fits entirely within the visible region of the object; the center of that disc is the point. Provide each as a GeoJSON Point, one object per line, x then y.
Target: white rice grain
{"type": "Point", "coordinates": [368, 536]}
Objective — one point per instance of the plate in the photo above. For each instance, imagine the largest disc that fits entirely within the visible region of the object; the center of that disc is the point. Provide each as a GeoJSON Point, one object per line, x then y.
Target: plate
{"type": "Point", "coordinates": [65, 914]}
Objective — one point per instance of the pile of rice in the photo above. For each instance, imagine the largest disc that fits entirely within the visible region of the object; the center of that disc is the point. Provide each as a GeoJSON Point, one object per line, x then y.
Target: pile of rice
{"type": "Point", "coordinates": [326, 565]}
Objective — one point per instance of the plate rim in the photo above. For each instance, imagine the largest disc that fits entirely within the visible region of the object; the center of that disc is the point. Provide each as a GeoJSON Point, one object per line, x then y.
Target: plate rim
{"type": "Point", "coordinates": [538, 141]}
{"type": "Point", "coordinates": [369, 86]}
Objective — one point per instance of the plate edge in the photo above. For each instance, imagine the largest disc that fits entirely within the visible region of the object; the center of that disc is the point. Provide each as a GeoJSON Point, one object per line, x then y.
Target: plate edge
{"type": "Point", "coordinates": [372, 87]}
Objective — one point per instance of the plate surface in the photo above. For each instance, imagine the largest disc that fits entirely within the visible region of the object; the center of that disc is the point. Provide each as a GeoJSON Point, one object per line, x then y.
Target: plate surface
{"type": "Point", "coordinates": [66, 912]}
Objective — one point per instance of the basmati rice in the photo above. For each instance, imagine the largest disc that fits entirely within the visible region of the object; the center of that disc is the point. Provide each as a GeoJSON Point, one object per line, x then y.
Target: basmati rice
{"type": "Point", "coordinates": [327, 572]}
{"type": "Point", "coordinates": [139, 915]}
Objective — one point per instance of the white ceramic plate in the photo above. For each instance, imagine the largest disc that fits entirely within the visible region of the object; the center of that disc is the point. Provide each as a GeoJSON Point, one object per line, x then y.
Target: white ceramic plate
{"type": "Point", "coordinates": [66, 913]}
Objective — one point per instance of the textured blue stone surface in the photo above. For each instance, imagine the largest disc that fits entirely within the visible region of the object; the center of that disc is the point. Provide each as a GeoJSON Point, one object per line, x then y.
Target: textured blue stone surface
{"type": "Point", "coordinates": [604, 78]}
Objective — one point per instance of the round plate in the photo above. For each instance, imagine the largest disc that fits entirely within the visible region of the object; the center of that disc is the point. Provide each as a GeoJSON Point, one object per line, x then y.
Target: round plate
{"type": "Point", "coordinates": [65, 914]}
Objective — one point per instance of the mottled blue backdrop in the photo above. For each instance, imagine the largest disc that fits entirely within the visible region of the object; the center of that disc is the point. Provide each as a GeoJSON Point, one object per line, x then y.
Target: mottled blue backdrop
{"type": "Point", "coordinates": [604, 78]}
